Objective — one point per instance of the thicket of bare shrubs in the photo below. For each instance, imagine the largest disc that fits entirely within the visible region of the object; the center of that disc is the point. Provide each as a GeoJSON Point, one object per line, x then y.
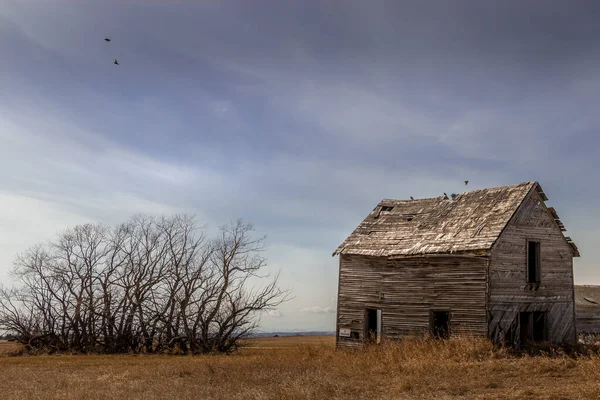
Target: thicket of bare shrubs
{"type": "Point", "coordinates": [148, 285]}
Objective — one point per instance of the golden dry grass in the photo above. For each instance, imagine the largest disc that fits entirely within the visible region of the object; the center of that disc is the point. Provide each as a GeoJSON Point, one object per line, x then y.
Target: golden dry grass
{"type": "Point", "coordinates": [306, 368]}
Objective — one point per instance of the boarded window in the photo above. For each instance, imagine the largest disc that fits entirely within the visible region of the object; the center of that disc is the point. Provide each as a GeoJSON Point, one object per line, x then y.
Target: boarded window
{"type": "Point", "coordinates": [439, 323]}
{"type": "Point", "coordinates": [533, 262]}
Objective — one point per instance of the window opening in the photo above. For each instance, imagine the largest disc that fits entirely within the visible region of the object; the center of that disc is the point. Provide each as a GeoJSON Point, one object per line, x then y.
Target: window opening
{"type": "Point", "coordinates": [440, 324]}
{"type": "Point", "coordinates": [533, 262]}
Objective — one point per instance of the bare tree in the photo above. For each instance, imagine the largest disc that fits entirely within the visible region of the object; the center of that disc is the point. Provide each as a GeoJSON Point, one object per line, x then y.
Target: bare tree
{"type": "Point", "coordinates": [148, 285]}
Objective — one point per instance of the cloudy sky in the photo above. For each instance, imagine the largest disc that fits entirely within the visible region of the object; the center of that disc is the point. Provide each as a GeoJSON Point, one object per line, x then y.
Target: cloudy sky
{"type": "Point", "coordinates": [296, 116]}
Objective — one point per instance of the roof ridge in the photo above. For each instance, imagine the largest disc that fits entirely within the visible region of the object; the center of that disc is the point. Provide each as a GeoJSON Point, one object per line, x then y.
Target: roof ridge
{"type": "Point", "coordinates": [472, 222]}
{"type": "Point", "coordinates": [462, 193]}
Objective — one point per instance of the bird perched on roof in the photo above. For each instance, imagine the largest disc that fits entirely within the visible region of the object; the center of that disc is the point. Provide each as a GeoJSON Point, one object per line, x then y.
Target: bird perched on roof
{"type": "Point", "coordinates": [116, 62]}
{"type": "Point", "coordinates": [107, 39]}
{"type": "Point", "coordinates": [445, 196]}
{"type": "Point", "coordinates": [466, 183]}
{"type": "Point", "coordinates": [411, 198]}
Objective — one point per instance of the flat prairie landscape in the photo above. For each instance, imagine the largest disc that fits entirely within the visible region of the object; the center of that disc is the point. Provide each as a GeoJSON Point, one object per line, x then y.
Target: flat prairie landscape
{"type": "Point", "coordinates": [305, 367]}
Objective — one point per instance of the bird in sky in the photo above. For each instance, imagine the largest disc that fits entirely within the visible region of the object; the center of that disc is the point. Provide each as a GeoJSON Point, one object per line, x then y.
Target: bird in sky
{"type": "Point", "coordinates": [116, 62]}
{"type": "Point", "coordinates": [466, 183]}
{"type": "Point", "coordinates": [107, 39]}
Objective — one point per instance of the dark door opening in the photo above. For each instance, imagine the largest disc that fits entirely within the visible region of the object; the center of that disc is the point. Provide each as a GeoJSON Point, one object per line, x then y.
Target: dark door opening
{"type": "Point", "coordinates": [532, 326]}
{"type": "Point", "coordinates": [440, 324]}
{"type": "Point", "coordinates": [526, 332]}
{"type": "Point", "coordinates": [373, 325]}
{"type": "Point", "coordinates": [539, 326]}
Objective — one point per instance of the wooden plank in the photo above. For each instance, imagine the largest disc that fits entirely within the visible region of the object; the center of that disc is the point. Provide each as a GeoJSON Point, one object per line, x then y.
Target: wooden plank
{"type": "Point", "coordinates": [509, 292]}
{"type": "Point", "coordinates": [406, 290]}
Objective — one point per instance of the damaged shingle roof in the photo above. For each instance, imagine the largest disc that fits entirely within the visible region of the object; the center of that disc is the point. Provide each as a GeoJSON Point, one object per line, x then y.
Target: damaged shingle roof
{"type": "Point", "coordinates": [470, 222]}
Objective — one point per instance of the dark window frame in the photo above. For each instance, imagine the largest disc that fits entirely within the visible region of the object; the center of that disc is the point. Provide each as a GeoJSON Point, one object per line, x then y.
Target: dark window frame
{"type": "Point", "coordinates": [534, 262]}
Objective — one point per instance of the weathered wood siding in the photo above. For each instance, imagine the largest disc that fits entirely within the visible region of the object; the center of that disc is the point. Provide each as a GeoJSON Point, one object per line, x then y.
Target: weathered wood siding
{"type": "Point", "coordinates": [588, 319]}
{"type": "Point", "coordinates": [509, 292]}
{"type": "Point", "coordinates": [406, 290]}
{"type": "Point", "coordinates": [587, 308]}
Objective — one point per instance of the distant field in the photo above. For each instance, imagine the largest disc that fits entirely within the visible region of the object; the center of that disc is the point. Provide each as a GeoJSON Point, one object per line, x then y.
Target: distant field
{"type": "Point", "coordinates": [248, 345]}
{"type": "Point", "coordinates": [305, 367]}
{"type": "Point", "coordinates": [7, 347]}
{"type": "Point", "coordinates": [289, 342]}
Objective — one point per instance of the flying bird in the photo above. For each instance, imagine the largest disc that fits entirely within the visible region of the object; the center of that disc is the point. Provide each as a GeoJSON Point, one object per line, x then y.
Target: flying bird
{"type": "Point", "coordinates": [116, 62]}
{"type": "Point", "coordinates": [107, 39]}
{"type": "Point", "coordinates": [466, 183]}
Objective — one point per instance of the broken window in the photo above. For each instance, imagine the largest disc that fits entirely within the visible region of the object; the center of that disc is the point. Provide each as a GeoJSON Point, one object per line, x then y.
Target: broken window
{"type": "Point", "coordinates": [439, 322]}
{"type": "Point", "coordinates": [373, 325]}
{"type": "Point", "coordinates": [387, 208]}
{"type": "Point", "coordinates": [533, 262]}
{"type": "Point", "coordinates": [532, 326]}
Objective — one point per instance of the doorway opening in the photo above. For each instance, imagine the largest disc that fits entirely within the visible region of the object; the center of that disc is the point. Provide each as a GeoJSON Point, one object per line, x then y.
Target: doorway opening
{"type": "Point", "coordinates": [439, 324]}
{"type": "Point", "coordinates": [373, 326]}
{"type": "Point", "coordinates": [533, 326]}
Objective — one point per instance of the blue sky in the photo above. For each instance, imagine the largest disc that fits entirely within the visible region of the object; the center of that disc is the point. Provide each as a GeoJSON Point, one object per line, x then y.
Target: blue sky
{"type": "Point", "coordinates": [296, 116]}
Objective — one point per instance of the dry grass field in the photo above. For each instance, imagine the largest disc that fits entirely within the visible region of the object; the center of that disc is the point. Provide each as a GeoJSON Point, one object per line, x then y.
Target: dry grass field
{"type": "Point", "coordinates": [305, 368]}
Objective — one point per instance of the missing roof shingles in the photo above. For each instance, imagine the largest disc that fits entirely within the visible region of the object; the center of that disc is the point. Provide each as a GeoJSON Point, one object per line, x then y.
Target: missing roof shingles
{"type": "Point", "coordinates": [438, 225]}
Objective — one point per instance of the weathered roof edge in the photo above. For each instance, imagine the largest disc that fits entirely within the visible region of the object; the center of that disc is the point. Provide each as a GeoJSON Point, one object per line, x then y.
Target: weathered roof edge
{"type": "Point", "coordinates": [557, 222]}
{"type": "Point", "coordinates": [537, 187]}
{"type": "Point", "coordinates": [533, 184]}
{"type": "Point", "coordinates": [551, 211]}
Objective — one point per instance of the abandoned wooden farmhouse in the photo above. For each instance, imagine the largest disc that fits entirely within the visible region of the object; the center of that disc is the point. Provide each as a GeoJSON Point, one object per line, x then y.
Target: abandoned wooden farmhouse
{"type": "Point", "coordinates": [491, 262]}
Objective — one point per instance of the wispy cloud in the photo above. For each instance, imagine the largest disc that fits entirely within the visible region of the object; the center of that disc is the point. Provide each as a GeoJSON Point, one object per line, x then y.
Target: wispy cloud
{"type": "Point", "coordinates": [230, 110]}
{"type": "Point", "coordinates": [319, 310]}
{"type": "Point", "coordinates": [274, 313]}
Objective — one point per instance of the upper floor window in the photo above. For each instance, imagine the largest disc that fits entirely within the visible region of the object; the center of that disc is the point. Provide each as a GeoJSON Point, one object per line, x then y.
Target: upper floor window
{"type": "Point", "coordinates": [533, 262]}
